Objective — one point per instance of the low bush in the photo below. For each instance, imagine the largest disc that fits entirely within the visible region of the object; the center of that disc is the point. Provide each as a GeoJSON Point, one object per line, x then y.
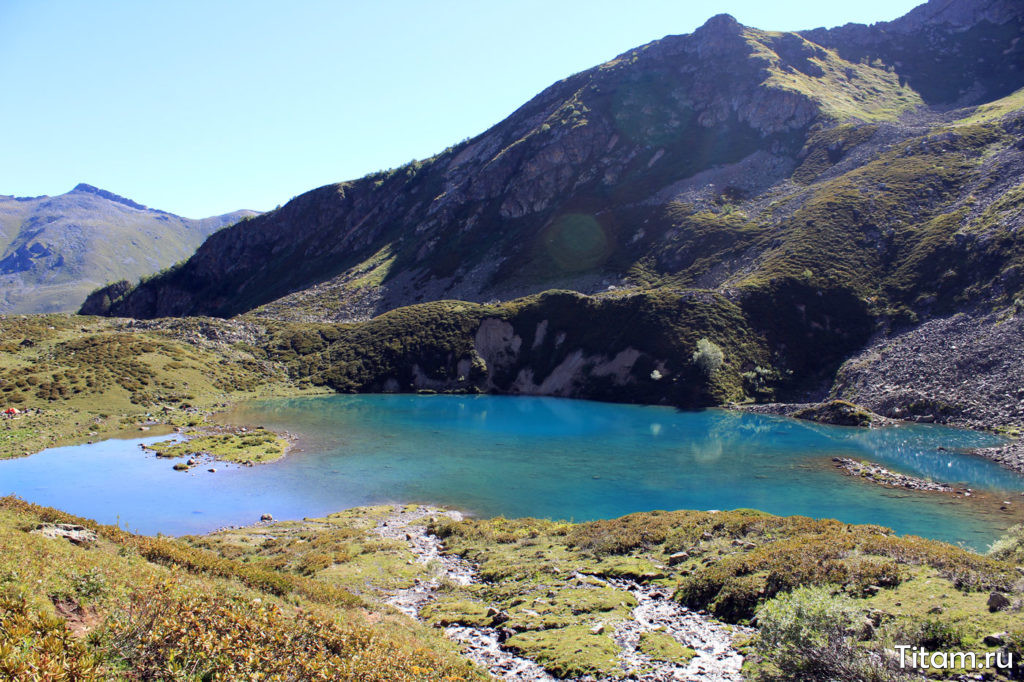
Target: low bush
{"type": "Point", "coordinates": [1010, 547]}
{"type": "Point", "coordinates": [708, 357]}
{"type": "Point", "coordinates": [930, 633]}
{"type": "Point", "coordinates": [198, 561]}
{"type": "Point", "coordinates": [807, 634]}
{"type": "Point", "coordinates": [38, 646]}
{"type": "Point", "coordinates": [167, 635]}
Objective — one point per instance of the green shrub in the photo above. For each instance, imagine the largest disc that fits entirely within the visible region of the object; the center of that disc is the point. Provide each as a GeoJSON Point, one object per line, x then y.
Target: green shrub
{"type": "Point", "coordinates": [708, 357]}
{"type": "Point", "coordinates": [807, 634]}
{"type": "Point", "coordinates": [1010, 547]}
{"type": "Point", "coordinates": [38, 646]}
{"type": "Point", "coordinates": [932, 634]}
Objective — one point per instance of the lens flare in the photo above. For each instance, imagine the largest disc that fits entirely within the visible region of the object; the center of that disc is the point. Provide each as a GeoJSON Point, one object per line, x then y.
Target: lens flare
{"type": "Point", "coordinates": [577, 242]}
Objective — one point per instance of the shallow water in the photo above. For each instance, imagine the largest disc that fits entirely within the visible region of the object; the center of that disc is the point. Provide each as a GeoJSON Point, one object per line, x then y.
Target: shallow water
{"type": "Point", "coordinates": [518, 456]}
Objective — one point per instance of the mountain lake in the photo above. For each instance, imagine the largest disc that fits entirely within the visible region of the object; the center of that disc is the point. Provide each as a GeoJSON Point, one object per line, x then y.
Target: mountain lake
{"type": "Point", "coordinates": [526, 456]}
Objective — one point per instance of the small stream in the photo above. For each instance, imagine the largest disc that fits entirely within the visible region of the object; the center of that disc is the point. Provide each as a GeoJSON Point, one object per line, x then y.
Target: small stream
{"type": "Point", "coordinates": [716, 660]}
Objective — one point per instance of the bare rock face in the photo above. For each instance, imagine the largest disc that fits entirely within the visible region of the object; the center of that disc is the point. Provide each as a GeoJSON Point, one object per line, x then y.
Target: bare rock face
{"type": "Point", "coordinates": [959, 15]}
{"type": "Point", "coordinates": [964, 51]}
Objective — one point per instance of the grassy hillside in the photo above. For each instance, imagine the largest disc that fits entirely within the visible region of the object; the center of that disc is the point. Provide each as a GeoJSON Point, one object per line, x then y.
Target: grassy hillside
{"type": "Point", "coordinates": [84, 378]}
{"type": "Point", "coordinates": [303, 598]}
{"type": "Point", "coordinates": [121, 606]}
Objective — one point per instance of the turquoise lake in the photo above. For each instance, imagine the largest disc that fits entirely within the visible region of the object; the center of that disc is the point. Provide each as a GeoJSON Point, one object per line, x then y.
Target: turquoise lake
{"type": "Point", "coordinates": [519, 456]}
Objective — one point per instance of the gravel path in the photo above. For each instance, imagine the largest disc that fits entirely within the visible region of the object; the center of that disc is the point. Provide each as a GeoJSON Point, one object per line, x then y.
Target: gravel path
{"type": "Point", "coordinates": [716, 659]}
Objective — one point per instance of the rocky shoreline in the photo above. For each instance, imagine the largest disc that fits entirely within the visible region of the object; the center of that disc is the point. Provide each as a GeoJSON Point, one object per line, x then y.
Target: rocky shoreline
{"type": "Point", "coordinates": [882, 476]}
{"type": "Point", "coordinates": [1009, 455]}
{"type": "Point", "coordinates": [715, 659]}
{"type": "Point", "coordinates": [963, 371]}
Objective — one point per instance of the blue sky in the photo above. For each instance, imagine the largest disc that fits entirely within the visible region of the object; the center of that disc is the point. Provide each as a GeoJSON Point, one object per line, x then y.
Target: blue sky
{"type": "Point", "coordinates": [203, 107]}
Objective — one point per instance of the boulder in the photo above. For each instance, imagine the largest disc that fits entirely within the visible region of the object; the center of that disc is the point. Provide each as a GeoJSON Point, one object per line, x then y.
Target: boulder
{"type": "Point", "coordinates": [497, 617]}
{"type": "Point", "coordinates": [678, 558]}
{"type": "Point", "coordinates": [995, 639]}
{"type": "Point", "coordinates": [997, 602]}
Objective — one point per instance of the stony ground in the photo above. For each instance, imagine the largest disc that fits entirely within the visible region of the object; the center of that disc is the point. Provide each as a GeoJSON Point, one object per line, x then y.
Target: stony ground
{"type": "Point", "coordinates": [964, 370]}
{"type": "Point", "coordinates": [714, 656]}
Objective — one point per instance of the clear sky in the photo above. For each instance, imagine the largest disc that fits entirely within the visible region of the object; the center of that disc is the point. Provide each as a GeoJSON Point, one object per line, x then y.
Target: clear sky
{"type": "Point", "coordinates": [200, 107]}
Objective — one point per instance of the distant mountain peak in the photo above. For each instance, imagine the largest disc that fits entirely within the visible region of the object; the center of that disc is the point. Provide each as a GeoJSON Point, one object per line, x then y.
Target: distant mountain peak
{"type": "Point", "coordinates": [109, 196]}
{"type": "Point", "coordinates": [721, 23]}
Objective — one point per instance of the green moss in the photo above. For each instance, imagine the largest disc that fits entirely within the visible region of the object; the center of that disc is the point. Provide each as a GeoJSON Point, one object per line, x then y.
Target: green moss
{"type": "Point", "coordinates": [661, 646]}
{"type": "Point", "coordinates": [456, 612]}
{"type": "Point", "coordinates": [839, 412]}
{"type": "Point", "coordinates": [570, 651]}
{"type": "Point", "coordinates": [342, 550]}
{"type": "Point", "coordinates": [558, 608]}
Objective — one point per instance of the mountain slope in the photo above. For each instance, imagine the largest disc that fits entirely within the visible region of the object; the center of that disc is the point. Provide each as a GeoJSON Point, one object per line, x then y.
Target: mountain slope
{"type": "Point", "coordinates": [572, 189]}
{"type": "Point", "coordinates": [55, 250]}
{"type": "Point", "coordinates": [822, 186]}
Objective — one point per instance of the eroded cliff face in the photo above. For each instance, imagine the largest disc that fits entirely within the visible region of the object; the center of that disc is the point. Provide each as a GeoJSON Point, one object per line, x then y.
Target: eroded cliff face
{"type": "Point", "coordinates": [557, 343]}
